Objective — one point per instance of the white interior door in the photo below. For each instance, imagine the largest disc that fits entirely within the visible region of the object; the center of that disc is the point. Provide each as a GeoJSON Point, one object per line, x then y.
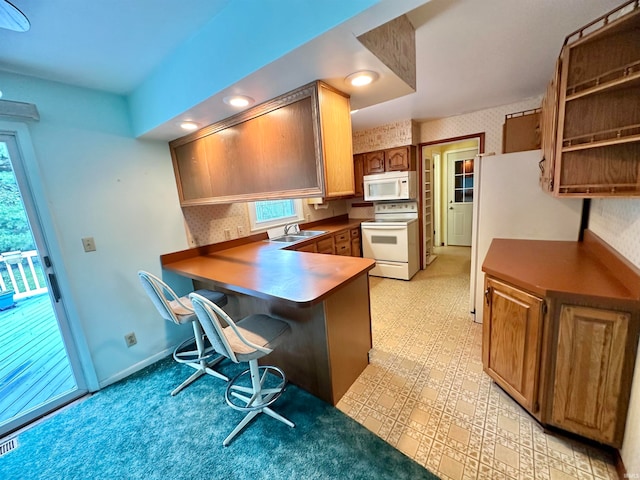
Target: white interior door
{"type": "Point", "coordinates": [460, 197]}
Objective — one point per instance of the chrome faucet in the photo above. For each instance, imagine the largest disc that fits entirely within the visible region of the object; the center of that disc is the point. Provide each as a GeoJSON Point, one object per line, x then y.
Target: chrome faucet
{"type": "Point", "coordinates": [288, 226]}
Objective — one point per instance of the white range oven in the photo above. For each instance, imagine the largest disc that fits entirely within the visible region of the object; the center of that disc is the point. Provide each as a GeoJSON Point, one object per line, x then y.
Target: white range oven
{"type": "Point", "coordinates": [392, 240]}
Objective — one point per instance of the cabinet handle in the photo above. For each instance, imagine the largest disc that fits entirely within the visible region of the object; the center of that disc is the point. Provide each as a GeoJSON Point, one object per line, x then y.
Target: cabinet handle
{"type": "Point", "coordinates": [487, 296]}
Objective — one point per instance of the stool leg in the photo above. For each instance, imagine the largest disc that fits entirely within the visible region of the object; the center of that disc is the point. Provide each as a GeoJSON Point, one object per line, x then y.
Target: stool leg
{"type": "Point", "coordinates": [258, 396]}
{"type": "Point", "coordinates": [196, 375]}
{"type": "Point", "coordinates": [199, 336]}
{"type": "Point", "coordinates": [250, 416]}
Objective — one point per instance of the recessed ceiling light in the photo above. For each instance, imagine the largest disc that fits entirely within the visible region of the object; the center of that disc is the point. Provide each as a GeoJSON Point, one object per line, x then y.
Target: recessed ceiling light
{"type": "Point", "coordinates": [238, 101]}
{"type": "Point", "coordinates": [362, 78]}
{"type": "Point", "coordinates": [189, 125]}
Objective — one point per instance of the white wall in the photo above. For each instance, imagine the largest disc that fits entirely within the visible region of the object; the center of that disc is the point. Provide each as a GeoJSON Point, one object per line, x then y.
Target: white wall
{"type": "Point", "coordinates": [99, 181]}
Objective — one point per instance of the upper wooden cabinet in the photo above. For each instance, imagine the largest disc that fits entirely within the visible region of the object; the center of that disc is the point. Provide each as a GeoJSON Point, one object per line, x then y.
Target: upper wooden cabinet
{"type": "Point", "coordinates": [389, 160]}
{"type": "Point", "coordinates": [591, 133]}
{"type": "Point", "coordinates": [296, 145]}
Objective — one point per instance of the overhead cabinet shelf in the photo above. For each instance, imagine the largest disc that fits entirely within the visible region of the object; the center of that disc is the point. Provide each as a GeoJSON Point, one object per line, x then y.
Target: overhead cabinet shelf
{"type": "Point", "coordinates": [591, 114]}
{"type": "Point", "coordinates": [294, 146]}
{"type": "Point", "coordinates": [627, 76]}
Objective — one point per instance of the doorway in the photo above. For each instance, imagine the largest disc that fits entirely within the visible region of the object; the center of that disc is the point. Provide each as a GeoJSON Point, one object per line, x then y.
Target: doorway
{"type": "Point", "coordinates": [39, 368]}
{"type": "Point", "coordinates": [442, 181]}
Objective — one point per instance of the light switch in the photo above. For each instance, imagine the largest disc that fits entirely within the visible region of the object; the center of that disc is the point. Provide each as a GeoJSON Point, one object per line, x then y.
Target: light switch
{"type": "Point", "coordinates": [89, 244]}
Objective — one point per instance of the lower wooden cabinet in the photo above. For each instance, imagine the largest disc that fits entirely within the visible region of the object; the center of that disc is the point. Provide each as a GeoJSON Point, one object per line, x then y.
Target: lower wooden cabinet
{"type": "Point", "coordinates": [343, 242]}
{"type": "Point", "coordinates": [567, 362]}
{"type": "Point", "coordinates": [511, 341]}
{"type": "Point", "coordinates": [588, 376]}
{"type": "Point", "coordinates": [311, 248]}
{"type": "Point", "coordinates": [325, 246]}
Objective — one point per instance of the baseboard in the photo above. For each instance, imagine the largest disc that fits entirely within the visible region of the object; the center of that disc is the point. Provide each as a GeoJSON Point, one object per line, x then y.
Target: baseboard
{"type": "Point", "coordinates": [135, 368]}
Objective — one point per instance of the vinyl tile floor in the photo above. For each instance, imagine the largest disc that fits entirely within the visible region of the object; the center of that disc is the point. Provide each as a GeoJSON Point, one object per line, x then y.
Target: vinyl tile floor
{"type": "Point", "coordinates": [425, 393]}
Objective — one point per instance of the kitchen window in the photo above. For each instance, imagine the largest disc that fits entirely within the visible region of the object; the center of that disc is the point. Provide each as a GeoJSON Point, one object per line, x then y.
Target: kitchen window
{"type": "Point", "coordinates": [273, 213]}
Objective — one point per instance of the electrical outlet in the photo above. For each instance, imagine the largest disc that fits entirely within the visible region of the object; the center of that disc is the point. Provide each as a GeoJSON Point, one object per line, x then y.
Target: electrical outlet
{"type": "Point", "coordinates": [89, 244]}
{"type": "Point", "coordinates": [227, 234]}
{"type": "Point", "coordinates": [130, 339]}
{"type": "Point", "coordinates": [240, 231]}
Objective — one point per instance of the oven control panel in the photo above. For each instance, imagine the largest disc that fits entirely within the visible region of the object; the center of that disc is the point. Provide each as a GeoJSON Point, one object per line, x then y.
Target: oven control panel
{"type": "Point", "coordinates": [396, 207]}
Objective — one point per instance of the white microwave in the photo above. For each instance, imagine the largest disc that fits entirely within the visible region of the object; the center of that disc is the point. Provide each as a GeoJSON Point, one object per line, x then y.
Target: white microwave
{"type": "Point", "coordinates": [390, 186]}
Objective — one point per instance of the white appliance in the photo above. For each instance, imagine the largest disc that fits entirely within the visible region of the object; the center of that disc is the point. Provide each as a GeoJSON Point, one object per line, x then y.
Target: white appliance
{"type": "Point", "coordinates": [509, 203]}
{"type": "Point", "coordinates": [391, 239]}
{"type": "Point", "coordinates": [390, 186]}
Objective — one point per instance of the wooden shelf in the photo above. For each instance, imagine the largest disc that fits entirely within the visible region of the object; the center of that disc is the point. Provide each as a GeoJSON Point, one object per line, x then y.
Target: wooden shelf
{"type": "Point", "coordinates": [627, 76]}
{"type": "Point", "coordinates": [619, 189]}
{"type": "Point", "coordinates": [601, 143]}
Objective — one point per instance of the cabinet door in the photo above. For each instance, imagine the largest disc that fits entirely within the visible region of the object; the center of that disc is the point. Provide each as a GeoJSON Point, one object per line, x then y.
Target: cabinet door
{"type": "Point", "coordinates": [374, 162]}
{"type": "Point", "coordinates": [511, 341]}
{"type": "Point", "coordinates": [356, 249]}
{"type": "Point", "coordinates": [192, 171]}
{"type": "Point", "coordinates": [589, 362]}
{"type": "Point", "coordinates": [548, 131]}
{"type": "Point", "coordinates": [358, 174]}
{"type": "Point", "coordinates": [397, 159]}
{"type": "Point", "coordinates": [337, 153]}
{"type": "Point", "coordinates": [325, 246]}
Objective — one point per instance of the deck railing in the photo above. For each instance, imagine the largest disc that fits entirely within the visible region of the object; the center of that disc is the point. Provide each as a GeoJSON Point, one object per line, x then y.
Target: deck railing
{"type": "Point", "coordinates": [22, 273]}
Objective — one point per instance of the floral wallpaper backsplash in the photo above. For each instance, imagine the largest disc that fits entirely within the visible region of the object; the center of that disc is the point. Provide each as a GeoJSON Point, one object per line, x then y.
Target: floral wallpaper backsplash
{"type": "Point", "coordinates": [489, 121]}
{"type": "Point", "coordinates": [206, 224]}
{"type": "Point", "coordinates": [395, 134]}
{"type": "Point", "coordinates": [617, 222]}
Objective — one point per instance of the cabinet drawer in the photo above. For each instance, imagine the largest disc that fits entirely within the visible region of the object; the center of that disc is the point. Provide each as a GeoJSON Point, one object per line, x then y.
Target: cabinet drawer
{"type": "Point", "coordinates": [355, 232]}
{"type": "Point", "coordinates": [343, 248]}
{"type": "Point", "coordinates": [325, 246]}
{"type": "Point", "coordinates": [342, 237]}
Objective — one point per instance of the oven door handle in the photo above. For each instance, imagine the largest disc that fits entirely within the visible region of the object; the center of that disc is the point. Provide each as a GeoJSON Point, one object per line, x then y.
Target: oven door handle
{"type": "Point", "coordinates": [382, 227]}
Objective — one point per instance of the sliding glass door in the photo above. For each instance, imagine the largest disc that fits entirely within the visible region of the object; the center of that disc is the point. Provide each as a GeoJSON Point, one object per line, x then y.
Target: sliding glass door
{"type": "Point", "coordinates": [39, 370]}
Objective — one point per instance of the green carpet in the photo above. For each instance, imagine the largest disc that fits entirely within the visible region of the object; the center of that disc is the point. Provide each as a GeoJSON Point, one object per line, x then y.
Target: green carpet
{"type": "Point", "coordinates": [135, 430]}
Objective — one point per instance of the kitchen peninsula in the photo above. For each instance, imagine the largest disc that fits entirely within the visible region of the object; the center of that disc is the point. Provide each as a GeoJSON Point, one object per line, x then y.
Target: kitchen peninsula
{"type": "Point", "coordinates": [324, 298]}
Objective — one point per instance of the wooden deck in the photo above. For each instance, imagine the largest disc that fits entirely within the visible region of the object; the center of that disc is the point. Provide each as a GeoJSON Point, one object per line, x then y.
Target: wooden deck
{"type": "Point", "coordinates": [33, 362]}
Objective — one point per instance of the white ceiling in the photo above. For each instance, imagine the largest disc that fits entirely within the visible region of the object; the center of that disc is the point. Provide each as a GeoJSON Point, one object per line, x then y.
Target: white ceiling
{"type": "Point", "coordinates": [471, 54]}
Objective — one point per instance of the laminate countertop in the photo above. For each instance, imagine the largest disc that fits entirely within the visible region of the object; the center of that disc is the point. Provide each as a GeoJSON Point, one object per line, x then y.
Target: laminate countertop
{"type": "Point", "coordinates": [260, 268]}
{"type": "Point", "coordinates": [588, 268]}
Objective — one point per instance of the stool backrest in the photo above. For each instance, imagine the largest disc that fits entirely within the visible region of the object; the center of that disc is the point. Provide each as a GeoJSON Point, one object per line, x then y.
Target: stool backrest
{"type": "Point", "coordinates": [209, 315]}
{"type": "Point", "coordinates": [161, 294]}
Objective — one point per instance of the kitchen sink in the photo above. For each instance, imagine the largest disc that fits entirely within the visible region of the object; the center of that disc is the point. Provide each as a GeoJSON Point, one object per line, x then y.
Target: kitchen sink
{"type": "Point", "coordinates": [310, 233]}
{"type": "Point", "coordinates": [301, 235]}
{"type": "Point", "coordinates": [288, 238]}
